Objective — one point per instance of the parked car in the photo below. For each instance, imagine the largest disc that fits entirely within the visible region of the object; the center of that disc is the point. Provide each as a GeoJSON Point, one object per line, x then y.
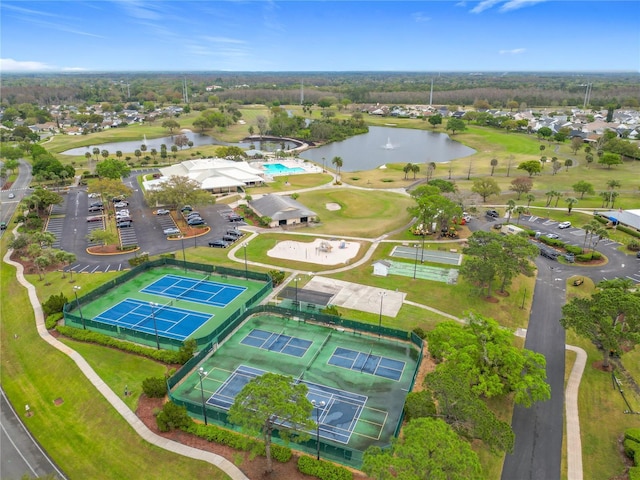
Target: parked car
{"type": "Point", "coordinates": [186, 208]}
{"type": "Point", "coordinates": [162, 211]}
{"type": "Point", "coordinates": [497, 226]}
{"type": "Point", "coordinates": [235, 233]}
{"type": "Point", "coordinates": [193, 214]}
{"type": "Point", "coordinates": [96, 204]}
{"type": "Point", "coordinates": [118, 199]}
{"type": "Point", "coordinates": [195, 221]}
{"type": "Point", "coordinates": [564, 225]}
{"type": "Point", "coordinates": [235, 218]}
{"type": "Point", "coordinates": [95, 209]}
{"type": "Point", "coordinates": [94, 195]}
{"type": "Point", "coordinates": [124, 218]}
{"type": "Point", "coordinates": [492, 213]}
{"type": "Point", "coordinates": [12, 195]}
{"type": "Point", "coordinates": [121, 204]}
{"type": "Point", "coordinates": [218, 244]}
{"type": "Point", "coordinates": [124, 224]}
{"type": "Point", "coordinates": [229, 238]}
{"type": "Point", "coordinates": [171, 231]}
{"type": "Point", "coordinates": [552, 235]}
{"type": "Point", "coordinates": [94, 218]}
{"type": "Point", "coordinates": [637, 254]}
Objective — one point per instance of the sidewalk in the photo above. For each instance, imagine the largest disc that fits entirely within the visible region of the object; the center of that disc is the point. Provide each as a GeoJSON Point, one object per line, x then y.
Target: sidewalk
{"type": "Point", "coordinates": [222, 463]}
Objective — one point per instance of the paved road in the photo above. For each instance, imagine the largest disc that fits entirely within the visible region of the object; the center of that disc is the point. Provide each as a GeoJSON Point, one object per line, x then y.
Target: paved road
{"type": "Point", "coordinates": [20, 188]}
{"type": "Point", "coordinates": [21, 453]}
{"type": "Point", "coordinates": [539, 429]}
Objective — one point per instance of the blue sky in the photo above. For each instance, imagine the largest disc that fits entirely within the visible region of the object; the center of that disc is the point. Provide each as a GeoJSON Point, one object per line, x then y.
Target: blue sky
{"type": "Point", "coordinates": [168, 35]}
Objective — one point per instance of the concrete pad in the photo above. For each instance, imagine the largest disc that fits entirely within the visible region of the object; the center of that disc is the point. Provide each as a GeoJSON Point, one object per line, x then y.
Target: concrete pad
{"type": "Point", "coordinates": [359, 297]}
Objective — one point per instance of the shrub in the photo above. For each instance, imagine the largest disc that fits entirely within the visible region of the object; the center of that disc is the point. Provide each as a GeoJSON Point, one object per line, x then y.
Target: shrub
{"type": "Point", "coordinates": [634, 473]}
{"type": "Point", "coordinates": [54, 304]}
{"type": "Point", "coordinates": [154, 387]}
{"type": "Point", "coordinates": [596, 255]}
{"type": "Point", "coordinates": [419, 404]}
{"type": "Point", "coordinates": [573, 249]}
{"type": "Point", "coordinates": [277, 276]}
{"type": "Point", "coordinates": [420, 332]}
{"type": "Point", "coordinates": [634, 246]}
{"type": "Point", "coordinates": [52, 320]}
{"type": "Point", "coordinates": [187, 350]}
{"type": "Point", "coordinates": [139, 260]}
{"type": "Point", "coordinates": [173, 417]}
{"type": "Point", "coordinates": [323, 470]}
{"type": "Point", "coordinates": [164, 356]}
{"type": "Point", "coordinates": [630, 231]}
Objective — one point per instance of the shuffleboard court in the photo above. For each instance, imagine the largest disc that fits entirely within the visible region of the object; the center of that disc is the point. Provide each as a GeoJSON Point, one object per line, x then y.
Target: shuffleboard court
{"type": "Point", "coordinates": [367, 363]}
{"type": "Point", "coordinates": [277, 342]}
{"type": "Point", "coordinates": [337, 416]}
{"type": "Point", "coordinates": [426, 255]}
{"type": "Point", "coordinates": [193, 290]}
{"type": "Point", "coordinates": [167, 320]}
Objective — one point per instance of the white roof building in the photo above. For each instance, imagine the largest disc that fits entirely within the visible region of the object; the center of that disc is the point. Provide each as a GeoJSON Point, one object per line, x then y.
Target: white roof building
{"type": "Point", "coordinates": [216, 175]}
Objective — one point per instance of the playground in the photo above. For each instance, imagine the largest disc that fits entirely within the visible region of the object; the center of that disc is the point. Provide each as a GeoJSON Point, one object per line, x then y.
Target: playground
{"type": "Point", "coordinates": [320, 251]}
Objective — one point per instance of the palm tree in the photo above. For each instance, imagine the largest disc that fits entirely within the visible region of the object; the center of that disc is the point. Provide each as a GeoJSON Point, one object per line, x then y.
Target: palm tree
{"type": "Point", "coordinates": [96, 152]}
{"type": "Point", "coordinates": [530, 197]}
{"type": "Point", "coordinates": [415, 168]}
{"type": "Point", "coordinates": [558, 195]}
{"type": "Point", "coordinates": [87, 155]}
{"type": "Point", "coordinates": [337, 161]}
{"type": "Point", "coordinates": [571, 201]}
{"type": "Point", "coordinates": [519, 210]}
{"type": "Point", "coordinates": [494, 164]}
{"type": "Point", "coordinates": [406, 169]}
{"type": "Point", "coordinates": [154, 152]}
{"type": "Point", "coordinates": [119, 154]}
{"type": "Point", "coordinates": [138, 154]}
{"type": "Point", "coordinates": [511, 205]}
{"type": "Point", "coordinates": [431, 166]}
{"type": "Point", "coordinates": [105, 154]}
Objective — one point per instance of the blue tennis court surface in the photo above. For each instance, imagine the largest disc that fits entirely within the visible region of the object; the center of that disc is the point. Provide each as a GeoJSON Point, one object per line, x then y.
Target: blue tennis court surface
{"type": "Point", "coordinates": [367, 363]}
{"type": "Point", "coordinates": [171, 322]}
{"type": "Point", "coordinates": [277, 342]}
{"type": "Point", "coordinates": [193, 290]}
{"type": "Point", "coordinates": [337, 418]}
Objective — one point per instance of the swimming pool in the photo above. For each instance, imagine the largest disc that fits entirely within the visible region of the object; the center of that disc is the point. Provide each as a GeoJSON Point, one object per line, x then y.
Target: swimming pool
{"type": "Point", "coordinates": [280, 169]}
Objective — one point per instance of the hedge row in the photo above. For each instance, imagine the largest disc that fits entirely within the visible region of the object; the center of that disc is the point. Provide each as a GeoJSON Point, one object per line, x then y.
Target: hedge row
{"type": "Point", "coordinates": [323, 470]}
{"type": "Point", "coordinates": [632, 450]}
{"type": "Point", "coordinates": [52, 320]}
{"type": "Point", "coordinates": [213, 433]}
{"type": "Point", "coordinates": [165, 356]}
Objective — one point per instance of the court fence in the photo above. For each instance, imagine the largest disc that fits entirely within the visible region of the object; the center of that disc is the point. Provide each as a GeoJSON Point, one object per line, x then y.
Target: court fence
{"type": "Point", "coordinates": [338, 453]}
{"type": "Point", "coordinates": [76, 320]}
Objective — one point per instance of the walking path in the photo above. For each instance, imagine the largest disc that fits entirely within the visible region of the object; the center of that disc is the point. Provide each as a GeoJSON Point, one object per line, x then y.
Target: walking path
{"type": "Point", "coordinates": [222, 463]}
{"type": "Point", "coordinates": [574, 448]}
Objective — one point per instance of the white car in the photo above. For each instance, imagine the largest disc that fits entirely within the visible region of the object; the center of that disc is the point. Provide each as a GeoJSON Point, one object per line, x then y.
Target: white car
{"type": "Point", "coordinates": [12, 195]}
{"type": "Point", "coordinates": [564, 225]}
{"type": "Point", "coordinates": [162, 211]}
{"type": "Point", "coordinates": [171, 231]}
{"type": "Point", "coordinates": [121, 204]}
{"type": "Point", "coordinates": [122, 213]}
{"type": "Point", "coordinates": [94, 195]}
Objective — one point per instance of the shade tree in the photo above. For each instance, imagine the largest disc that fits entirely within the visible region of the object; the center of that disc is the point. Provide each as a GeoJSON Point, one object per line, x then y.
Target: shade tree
{"type": "Point", "coordinates": [178, 191]}
{"type": "Point", "coordinates": [521, 185]}
{"type": "Point", "coordinates": [273, 402]}
{"type": "Point", "coordinates": [531, 167]}
{"type": "Point", "coordinates": [485, 187]}
{"type": "Point", "coordinates": [582, 187]}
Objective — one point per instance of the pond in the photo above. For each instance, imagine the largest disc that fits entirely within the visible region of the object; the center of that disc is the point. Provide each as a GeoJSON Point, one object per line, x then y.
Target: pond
{"type": "Point", "coordinates": [384, 145]}
{"type": "Point", "coordinates": [198, 140]}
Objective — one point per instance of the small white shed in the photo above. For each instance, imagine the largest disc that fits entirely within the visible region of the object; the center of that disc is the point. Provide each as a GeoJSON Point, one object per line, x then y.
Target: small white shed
{"type": "Point", "coordinates": [381, 268]}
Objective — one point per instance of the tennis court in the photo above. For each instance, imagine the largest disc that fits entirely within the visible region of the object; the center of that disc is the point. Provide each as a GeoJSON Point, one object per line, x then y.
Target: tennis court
{"type": "Point", "coordinates": [276, 342]}
{"type": "Point", "coordinates": [426, 255]}
{"type": "Point", "coordinates": [337, 417]}
{"type": "Point", "coordinates": [168, 321]}
{"type": "Point", "coordinates": [367, 363]}
{"type": "Point", "coordinates": [363, 379]}
{"type": "Point", "coordinates": [201, 291]}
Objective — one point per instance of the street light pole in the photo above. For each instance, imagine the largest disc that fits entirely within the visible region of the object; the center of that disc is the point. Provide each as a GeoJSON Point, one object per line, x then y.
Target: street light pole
{"type": "Point", "coordinates": [155, 327]}
{"type": "Point", "coordinates": [317, 408]}
{"type": "Point", "coordinates": [415, 264]}
{"type": "Point", "coordinates": [297, 304]}
{"type": "Point", "coordinates": [202, 374]}
{"type": "Point", "coordinates": [382, 295]}
{"type": "Point", "coordinates": [75, 292]}
{"type": "Point", "coordinates": [246, 268]}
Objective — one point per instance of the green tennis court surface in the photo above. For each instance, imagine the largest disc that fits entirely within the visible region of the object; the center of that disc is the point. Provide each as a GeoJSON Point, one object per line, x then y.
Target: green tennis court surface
{"type": "Point", "coordinates": [445, 275]}
{"type": "Point", "coordinates": [426, 255]}
{"type": "Point", "coordinates": [364, 396]}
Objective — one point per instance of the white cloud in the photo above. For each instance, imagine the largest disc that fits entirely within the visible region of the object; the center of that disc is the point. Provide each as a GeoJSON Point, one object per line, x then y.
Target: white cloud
{"type": "Point", "coordinates": [223, 40]}
{"type": "Point", "coordinates": [420, 17]}
{"type": "Point", "coordinates": [516, 4]}
{"type": "Point", "coordinates": [484, 5]}
{"type": "Point", "coordinates": [11, 65]}
{"type": "Point", "coordinates": [514, 51]}
{"type": "Point", "coordinates": [75, 69]}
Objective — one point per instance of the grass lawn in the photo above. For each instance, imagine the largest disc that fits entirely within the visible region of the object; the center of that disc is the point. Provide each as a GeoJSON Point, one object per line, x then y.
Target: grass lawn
{"type": "Point", "coordinates": [83, 427]}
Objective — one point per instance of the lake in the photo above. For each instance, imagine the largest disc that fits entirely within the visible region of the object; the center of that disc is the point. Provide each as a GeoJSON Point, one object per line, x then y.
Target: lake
{"type": "Point", "coordinates": [384, 145]}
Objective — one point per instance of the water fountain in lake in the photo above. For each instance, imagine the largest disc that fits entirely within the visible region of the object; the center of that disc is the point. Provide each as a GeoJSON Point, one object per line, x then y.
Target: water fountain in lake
{"type": "Point", "coordinates": [389, 145]}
